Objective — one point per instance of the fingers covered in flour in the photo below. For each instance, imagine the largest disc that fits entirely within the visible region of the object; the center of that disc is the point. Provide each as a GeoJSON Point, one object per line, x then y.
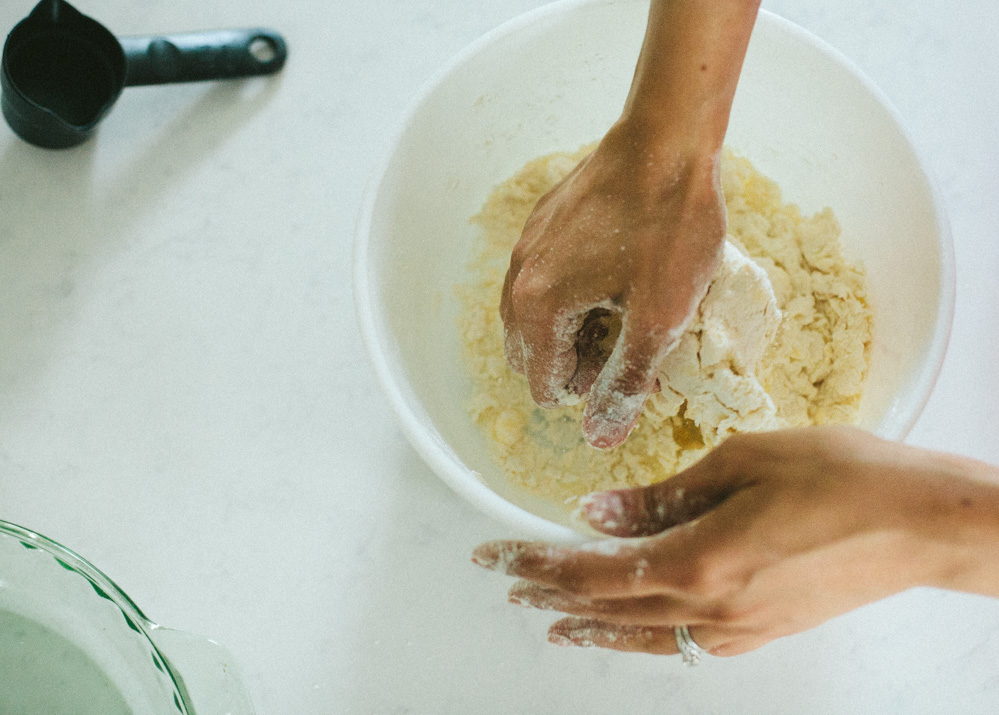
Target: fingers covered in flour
{"type": "Point", "coordinates": [628, 377]}
{"type": "Point", "coordinates": [659, 610]}
{"type": "Point", "coordinates": [655, 640]}
{"type": "Point", "coordinates": [643, 511]}
{"type": "Point", "coordinates": [550, 357]}
{"type": "Point", "coordinates": [586, 571]}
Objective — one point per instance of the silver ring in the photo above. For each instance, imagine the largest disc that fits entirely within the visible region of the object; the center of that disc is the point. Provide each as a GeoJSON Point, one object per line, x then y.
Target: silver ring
{"type": "Point", "coordinates": [690, 651]}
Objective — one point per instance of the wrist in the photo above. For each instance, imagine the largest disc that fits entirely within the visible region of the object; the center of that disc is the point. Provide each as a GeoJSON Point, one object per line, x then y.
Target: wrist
{"type": "Point", "coordinates": [658, 157]}
{"type": "Point", "coordinates": [694, 117]}
{"type": "Point", "coordinates": [688, 69]}
{"type": "Point", "coordinates": [959, 522]}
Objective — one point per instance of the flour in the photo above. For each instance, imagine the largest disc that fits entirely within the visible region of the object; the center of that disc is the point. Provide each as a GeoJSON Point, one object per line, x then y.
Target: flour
{"type": "Point", "coordinates": [712, 374]}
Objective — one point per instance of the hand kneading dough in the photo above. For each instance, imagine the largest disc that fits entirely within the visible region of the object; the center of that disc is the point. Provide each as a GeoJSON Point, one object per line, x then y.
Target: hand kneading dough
{"type": "Point", "coordinates": [781, 339]}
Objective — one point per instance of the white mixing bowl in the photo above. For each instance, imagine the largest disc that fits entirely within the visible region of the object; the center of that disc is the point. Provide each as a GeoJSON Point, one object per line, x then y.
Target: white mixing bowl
{"type": "Point", "coordinates": [555, 79]}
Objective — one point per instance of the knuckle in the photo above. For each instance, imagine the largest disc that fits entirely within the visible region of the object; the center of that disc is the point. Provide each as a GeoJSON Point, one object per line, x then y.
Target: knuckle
{"type": "Point", "coordinates": [701, 578]}
{"type": "Point", "coordinates": [513, 351]}
{"type": "Point", "coordinates": [505, 308]}
{"type": "Point", "coordinates": [529, 289]}
{"type": "Point", "coordinates": [585, 578]}
{"type": "Point", "coordinates": [730, 612]}
{"type": "Point", "coordinates": [572, 586]}
{"type": "Point", "coordinates": [573, 583]}
{"type": "Point", "coordinates": [716, 578]}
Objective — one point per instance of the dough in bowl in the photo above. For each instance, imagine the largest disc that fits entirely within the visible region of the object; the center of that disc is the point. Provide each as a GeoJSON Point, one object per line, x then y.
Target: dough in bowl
{"type": "Point", "coordinates": [781, 339]}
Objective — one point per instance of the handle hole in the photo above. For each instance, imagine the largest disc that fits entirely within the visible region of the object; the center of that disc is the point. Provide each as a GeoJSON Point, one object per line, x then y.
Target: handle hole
{"type": "Point", "coordinates": [263, 49]}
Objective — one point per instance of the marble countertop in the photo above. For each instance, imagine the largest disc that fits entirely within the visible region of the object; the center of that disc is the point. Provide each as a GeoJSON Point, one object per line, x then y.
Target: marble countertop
{"type": "Point", "coordinates": [184, 399]}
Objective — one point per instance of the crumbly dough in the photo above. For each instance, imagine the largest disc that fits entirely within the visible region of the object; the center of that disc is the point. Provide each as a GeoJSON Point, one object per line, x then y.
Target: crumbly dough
{"type": "Point", "coordinates": [711, 374]}
{"type": "Point", "coordinates": [781, 339]}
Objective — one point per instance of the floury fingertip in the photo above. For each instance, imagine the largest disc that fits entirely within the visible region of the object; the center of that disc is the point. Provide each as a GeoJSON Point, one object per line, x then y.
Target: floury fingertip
{"type": "Point", "coordinates": [499, 556]}
{"type": "Point", "coordinates": [608, 429]}
{"type": "Point", "coordinates": [486, 556]}
{"type": "Point", "coordinates": [561, 640]}
{"type": "Point", "coordinates": [602, 509]}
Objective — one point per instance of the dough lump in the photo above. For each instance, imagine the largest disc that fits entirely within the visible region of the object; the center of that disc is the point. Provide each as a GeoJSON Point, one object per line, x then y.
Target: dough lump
{"type": "Point", "coordinates": [781, 339]}
{"type": "Point", "coordinates": [711, 374]}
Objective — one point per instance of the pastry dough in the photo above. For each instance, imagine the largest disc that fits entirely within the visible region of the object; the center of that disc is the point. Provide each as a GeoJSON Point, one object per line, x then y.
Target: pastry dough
{"type": "Point", "coordinates": [781, 339]}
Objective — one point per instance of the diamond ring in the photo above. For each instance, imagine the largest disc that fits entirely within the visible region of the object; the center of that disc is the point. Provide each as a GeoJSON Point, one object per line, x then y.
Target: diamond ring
{"type": "Point", "coordinates": [690, 651]}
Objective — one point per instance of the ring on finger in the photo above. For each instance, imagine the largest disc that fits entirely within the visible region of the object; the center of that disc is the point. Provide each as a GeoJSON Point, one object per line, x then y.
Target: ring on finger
{"type": "Point", "coordinates": [689, 650]}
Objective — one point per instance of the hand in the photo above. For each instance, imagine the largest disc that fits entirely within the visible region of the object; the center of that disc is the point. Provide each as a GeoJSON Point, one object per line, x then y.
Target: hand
{"type": "Point", "coordinates": [768, 535]}
{"type": "Point", "coordinates": [633, 230]}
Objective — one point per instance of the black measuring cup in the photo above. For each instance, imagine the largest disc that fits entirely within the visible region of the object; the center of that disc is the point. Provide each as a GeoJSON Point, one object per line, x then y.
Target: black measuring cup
{"type": "Point", "coordinates": [62, 71]}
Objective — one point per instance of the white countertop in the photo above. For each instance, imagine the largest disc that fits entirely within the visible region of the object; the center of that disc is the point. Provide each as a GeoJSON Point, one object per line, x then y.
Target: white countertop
{"type": "Point", "coordinates": [185, 402]}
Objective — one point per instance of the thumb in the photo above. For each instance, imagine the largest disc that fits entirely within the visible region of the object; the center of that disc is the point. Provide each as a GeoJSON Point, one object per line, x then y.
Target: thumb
{"type": "Point", "coordinates": [643, 511]}
{"type": "Point", "coordinates": [618, 394]}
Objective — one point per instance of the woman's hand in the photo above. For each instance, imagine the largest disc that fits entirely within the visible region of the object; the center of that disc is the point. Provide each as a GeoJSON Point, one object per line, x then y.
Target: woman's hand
{"type": "Point", "coordinates": [769, 535]}
{"type": "Point", "coordinates": [634, 229]}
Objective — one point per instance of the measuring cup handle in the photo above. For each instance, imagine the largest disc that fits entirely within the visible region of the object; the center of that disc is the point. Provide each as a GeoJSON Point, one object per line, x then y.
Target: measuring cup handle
{"type": "Point", "coordinates": [197, 56]}
{"type": "Point", "coordinates": [205, 670]}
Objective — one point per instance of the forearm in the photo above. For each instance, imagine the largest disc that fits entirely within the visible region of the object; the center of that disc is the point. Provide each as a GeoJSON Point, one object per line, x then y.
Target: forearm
{"type": "Point", "coordinates": [687, 72]}
{"type": "Point", "coordinates": [962, 516]}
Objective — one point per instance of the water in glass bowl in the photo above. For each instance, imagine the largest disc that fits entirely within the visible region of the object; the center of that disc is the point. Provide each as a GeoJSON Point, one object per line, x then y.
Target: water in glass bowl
{"type": "Point", "coordinates": [42, 673]}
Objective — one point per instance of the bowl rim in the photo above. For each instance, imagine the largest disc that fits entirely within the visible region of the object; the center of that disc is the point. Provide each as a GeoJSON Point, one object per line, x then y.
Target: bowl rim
{"type": "Point", "coordinates": [925, 382]}
{"type": "Point", "coordinates": [408, 410]}
{"type": "Point", "coordinates": [107, 589]}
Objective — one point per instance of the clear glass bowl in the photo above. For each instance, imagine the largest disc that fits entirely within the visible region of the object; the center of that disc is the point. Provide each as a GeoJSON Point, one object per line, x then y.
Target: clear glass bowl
{"type": "Point", "coordinates": [71, 641]}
